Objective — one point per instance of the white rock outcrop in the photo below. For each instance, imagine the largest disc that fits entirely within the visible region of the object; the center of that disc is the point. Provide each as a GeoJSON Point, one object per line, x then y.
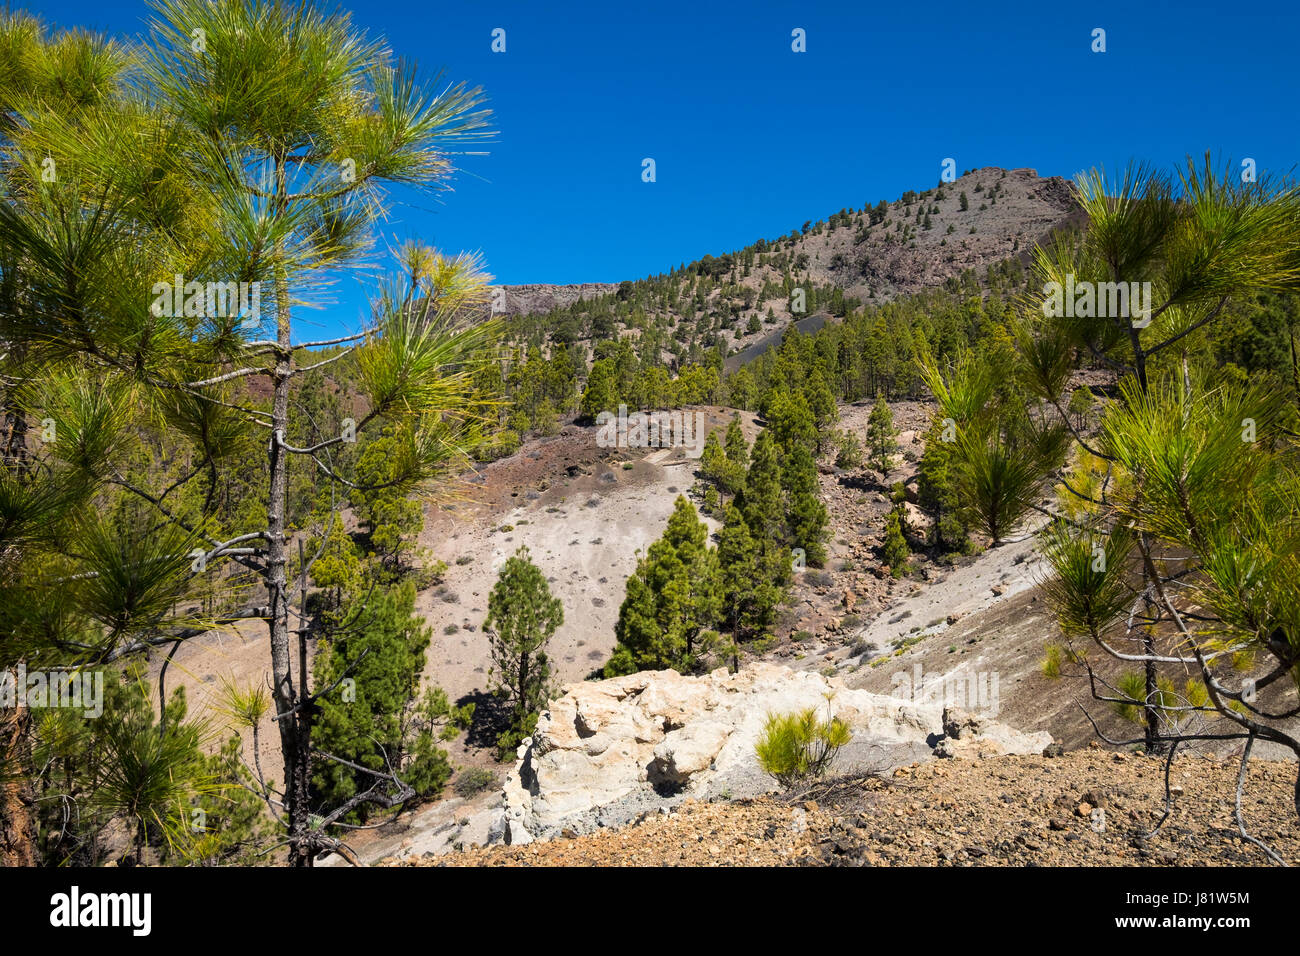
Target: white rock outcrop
{"type": "Point", "coordinates": [631, 741]}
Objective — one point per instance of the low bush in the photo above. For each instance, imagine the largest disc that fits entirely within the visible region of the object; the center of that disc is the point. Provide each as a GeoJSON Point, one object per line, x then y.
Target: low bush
{"type": "Point", "coordinates": [800, 746]}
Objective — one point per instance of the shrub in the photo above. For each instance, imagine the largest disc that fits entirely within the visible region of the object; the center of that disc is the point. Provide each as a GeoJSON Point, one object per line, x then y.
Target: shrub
{"type": "Point", "coordinates": [1131, 686]}
{"type": "Point", "coordinates": [849, 450]}
{"type": "Point", "coordinates": [799, 746]}
{"type": "Point", "coordinates": [1052, 661]}
{"type": "Point", "coordinates": [473, 781]}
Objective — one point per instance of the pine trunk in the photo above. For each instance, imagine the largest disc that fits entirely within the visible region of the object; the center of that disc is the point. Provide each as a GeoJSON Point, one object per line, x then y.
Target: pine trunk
{"type": "Point", "coordinates": [17, 826]}
{"type": "Point", "coordinates": [294, 743]}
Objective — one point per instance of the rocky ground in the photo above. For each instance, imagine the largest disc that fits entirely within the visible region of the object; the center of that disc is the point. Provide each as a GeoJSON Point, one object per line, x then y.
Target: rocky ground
{"type": "Point", "coordinates": [1088, 808]}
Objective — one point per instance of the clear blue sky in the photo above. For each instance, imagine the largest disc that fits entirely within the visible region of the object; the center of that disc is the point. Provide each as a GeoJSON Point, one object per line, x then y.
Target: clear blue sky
{"type": "Point", "coordinates": [751, 139]}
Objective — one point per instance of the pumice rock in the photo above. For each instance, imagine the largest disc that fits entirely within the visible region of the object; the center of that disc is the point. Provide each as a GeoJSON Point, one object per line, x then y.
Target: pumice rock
{"type": "Point", "coordinates": [617, 748]}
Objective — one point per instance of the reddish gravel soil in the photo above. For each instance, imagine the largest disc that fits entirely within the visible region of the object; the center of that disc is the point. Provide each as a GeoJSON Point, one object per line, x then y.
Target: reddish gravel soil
{"type": "Point", "coordinates": [1001, 811]}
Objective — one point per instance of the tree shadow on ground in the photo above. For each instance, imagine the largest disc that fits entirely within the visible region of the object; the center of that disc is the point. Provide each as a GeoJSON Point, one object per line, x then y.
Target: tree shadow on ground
{"type": "Point", "coordinates": [861, 482]}
{"type": "Point", "coordinates": [491, 717]}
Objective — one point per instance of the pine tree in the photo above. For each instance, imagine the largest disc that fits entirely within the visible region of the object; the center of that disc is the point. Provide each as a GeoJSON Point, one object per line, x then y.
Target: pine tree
{"type": "Point", "coordinates": [256, 197]}
{"type": "Point", "coordinates": [748, 592]}
{"type": "Point", "coordinates": [689, 538]}
{"type": "Point", "coordinates": [894, 549]}
{"type": "Point", "coordinates": [790, 419]}
{"type": "Point", "coordinates": [737, 448]}
{"type": "Point", "coordinates": [127, 774]}
{"type": "Point", "coordinates": [381, 501]}
{"type": "Point", "coordinates": [601, 393]}
{"type": "Point", "coordinates": [725, 468]}
{"type": "Point", "coordinates": [713, 460]}
{"type": "Point", "coordinates": [672, 598]}
{"type": "Point", "coordinates": [937, 491]}
{"type": "Point", "coordinates": [522, 616]}
{"type": "Point", "coordinates": [762, 501]}
{"type": "Point", "coordinates": [378, 655]}
{"type": "Point", "coordinates": [807, 518]}
{"type": "Point", "coordinates": [821, 402]}
{"type": "Point", "coordinates": [848, 450]}
{"type": "Point", "coordinates": [1193, 459]}
{"type": "Point", "coordinates": [881, 434]}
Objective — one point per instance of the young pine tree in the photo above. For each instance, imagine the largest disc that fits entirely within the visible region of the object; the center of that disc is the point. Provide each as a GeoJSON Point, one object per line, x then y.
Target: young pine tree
{"type": "Point", "coordinates": [522, 616]}
{"type": "Point", "coordinates": [791, 421]}
{"type": "Point", "coordinates": [894, 549]}
{"type": "Point", "coordinates": [713, 460]}
{"type": "Point", "coordinates": [601, 393]}
{"type": "Point", "coordinates": [881, 434]}
{"type": "Point", "coordinates": [689, 538]}
{"type": "Point", "coordinates": [937, 490]}
{"type": "Point", "coordinates": [376, 657]}
{"type": "Point", "coordinates": [762, 500]}
{"type": "Point", "coordinates": [749, 591]}
{"type": "Point", "coordinates": [392, 518]}
{"type": "Point", "coordinates": [735, 445]}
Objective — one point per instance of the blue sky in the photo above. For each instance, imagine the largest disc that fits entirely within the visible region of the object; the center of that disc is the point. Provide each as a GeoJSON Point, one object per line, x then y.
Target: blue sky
{"type": "Point", "coordinates": [750, 139]}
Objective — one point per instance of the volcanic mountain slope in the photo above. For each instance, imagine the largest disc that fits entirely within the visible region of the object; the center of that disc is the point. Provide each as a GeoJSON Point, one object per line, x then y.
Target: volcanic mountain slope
{"type": "Point", "coordinates": [733, 301]}
{"type": "Point", "coordinates": [544, 297]}
{"type": "Point", "coordinates": [1006, 212]}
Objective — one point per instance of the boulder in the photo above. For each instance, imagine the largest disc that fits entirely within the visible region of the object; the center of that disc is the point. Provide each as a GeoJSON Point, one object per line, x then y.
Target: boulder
{"type": "Point", "coordinates": [974, 735]}
{"type": "Point", "coordinates": [917, 519]}
{"type": "Point", "coordinates": [612, 749]}
{"type": "Point", "coordinates": [498, 827]}
{"type": "Point", "coordinates": [688, 751]}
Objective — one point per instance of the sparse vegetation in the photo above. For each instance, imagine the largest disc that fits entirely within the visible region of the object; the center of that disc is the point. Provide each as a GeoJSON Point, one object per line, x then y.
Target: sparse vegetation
{"type": "Point", "coordinates": [800, 746]}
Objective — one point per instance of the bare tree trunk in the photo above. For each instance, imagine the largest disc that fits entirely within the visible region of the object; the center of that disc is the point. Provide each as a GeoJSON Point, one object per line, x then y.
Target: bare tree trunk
{"type": "Point", "coordinates": [17, 827]}
{"type": "Point", "coordinates": [277, 555]}
{"type": "Point", "coordinates": [296, 756]}
{"type": "Point", "coordinates": [1151, 732]}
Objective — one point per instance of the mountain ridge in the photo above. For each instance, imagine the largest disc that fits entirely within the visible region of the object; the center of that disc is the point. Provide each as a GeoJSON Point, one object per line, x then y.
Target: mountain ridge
{"type": "Point", "coordinates": [870, 262]}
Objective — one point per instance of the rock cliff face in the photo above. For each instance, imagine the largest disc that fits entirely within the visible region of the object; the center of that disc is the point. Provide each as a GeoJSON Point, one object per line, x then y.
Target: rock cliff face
{"type": "Point", "coordinates": [608, 751]}
{"type": "Point", "coordinates": [542, 297]}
